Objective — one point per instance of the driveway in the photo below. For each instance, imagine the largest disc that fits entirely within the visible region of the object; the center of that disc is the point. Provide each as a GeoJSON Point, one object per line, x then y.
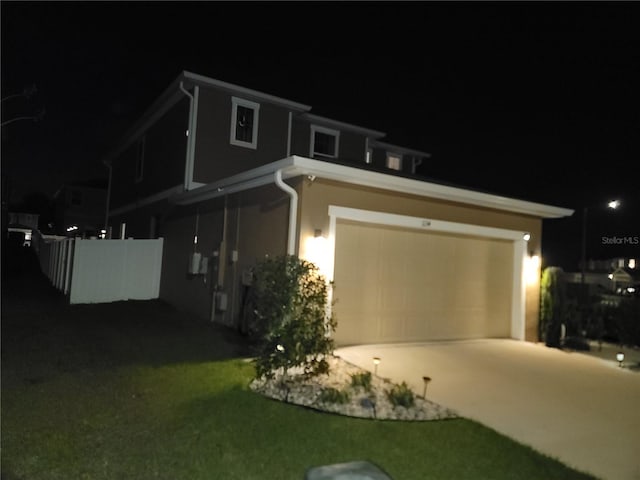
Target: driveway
{"type": "Point", "coordinates": [577, 408]}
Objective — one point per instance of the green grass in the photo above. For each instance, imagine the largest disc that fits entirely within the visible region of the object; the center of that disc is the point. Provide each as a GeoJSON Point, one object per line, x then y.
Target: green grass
{"type": "Point", "coordinates": [135, 390]}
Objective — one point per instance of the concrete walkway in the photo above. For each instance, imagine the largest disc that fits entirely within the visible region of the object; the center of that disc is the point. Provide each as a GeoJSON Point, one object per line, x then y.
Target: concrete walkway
{"type": "Point", "coordinates": [578, 408]}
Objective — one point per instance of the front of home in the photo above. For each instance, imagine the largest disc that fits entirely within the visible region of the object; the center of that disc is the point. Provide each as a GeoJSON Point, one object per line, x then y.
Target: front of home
{"type": "Point", "coordinates": [226, 175]}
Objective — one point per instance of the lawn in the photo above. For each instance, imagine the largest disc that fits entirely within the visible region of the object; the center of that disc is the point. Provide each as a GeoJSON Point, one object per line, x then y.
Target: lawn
{"type": "Point", "coordinates": [137, 390]}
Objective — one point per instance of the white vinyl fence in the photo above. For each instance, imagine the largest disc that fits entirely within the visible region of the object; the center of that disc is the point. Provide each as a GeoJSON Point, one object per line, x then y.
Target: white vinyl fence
{"type": "Point", "coordinates": [101, 271]}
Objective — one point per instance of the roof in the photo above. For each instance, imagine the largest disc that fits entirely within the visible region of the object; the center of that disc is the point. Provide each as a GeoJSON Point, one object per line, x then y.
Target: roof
{"type": "Point", "coordinates": [295, 166]}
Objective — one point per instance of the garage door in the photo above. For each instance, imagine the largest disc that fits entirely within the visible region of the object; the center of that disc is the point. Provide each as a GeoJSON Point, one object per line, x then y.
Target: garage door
{"type": "Point", "coordinates": [397, 284]}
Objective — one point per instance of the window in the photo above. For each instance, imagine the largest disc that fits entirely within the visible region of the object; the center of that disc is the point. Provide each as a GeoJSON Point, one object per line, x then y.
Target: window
{"type": "Point", "coordinates": [394, 161]}
{"type": "Point", "coordinates": [244, 123]}
{"type": "Point", "coordinates": [140, 159]}
{"type": "Point", "coordinates": [324, 142]}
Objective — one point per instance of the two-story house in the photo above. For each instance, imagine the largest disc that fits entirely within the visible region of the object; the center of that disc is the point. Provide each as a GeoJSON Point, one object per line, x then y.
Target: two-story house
{"type": "Point", "coordinates": [227, 175]}
{"type": "Point", "coordinates": [80, 208]}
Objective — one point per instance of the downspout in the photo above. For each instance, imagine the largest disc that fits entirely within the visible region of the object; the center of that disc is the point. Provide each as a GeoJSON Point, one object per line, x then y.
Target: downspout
{"type": "Point", "coordinates": [293, 211]}
{"type": "Point", "coordinates": [188, 170]}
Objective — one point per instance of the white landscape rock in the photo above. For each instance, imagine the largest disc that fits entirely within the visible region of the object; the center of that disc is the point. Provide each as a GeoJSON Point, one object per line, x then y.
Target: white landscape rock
{"type": "Point", "coordinates": [374, 404]}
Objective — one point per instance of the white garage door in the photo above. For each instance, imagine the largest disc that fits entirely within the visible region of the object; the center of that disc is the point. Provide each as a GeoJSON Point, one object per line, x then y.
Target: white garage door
{"type": "Point", "coordinates": [396, 284]}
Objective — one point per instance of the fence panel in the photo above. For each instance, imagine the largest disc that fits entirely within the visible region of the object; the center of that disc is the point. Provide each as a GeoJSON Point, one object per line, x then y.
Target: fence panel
{"type": "Point", "coordinates": [113, 270]}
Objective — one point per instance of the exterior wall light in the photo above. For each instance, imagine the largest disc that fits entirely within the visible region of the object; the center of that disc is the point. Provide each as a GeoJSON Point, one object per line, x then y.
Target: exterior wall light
{"type": "Point", "coordinates": [620, 358]}
{"type": "Point", "coordinates": [526, 237]}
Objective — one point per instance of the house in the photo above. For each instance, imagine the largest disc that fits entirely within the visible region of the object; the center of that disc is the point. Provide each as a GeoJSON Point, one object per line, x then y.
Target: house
{"type": "Point", "coordinates": [21, 226]}
{"type": "Point", "coordinates": [80, 208]}
{"type": "Point", "coordinates": [227, 175]}
{"type": "Point", "coordinates": [605, 276]}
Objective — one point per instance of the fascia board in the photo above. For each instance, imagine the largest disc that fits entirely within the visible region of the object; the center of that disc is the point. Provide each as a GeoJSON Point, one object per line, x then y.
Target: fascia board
{"type": "Point", "coordinates": [342, 125]}
{"type": "Point", "coordinates": [168, 99]}
{"type": "Point", "coordinates": [357, 176]}
{"type": "Point", "coordinates": [295, 166]}
{"type": "Point", "coordinates": [399, 149]}
{"type": "Point", "coordinates": [230, 87]}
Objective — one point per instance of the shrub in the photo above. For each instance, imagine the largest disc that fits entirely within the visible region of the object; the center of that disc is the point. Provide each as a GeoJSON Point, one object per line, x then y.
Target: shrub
{"type": "Point", "coordinates": [362, 380]}
{"type": "Point", "coordinates": [333, 395]}
{"type": "Point", "coordinates": [290, 321]}
{"type": "Point", "coordinates": [552, 305]}
{"type": "Point", "coordinates": [401, 395]}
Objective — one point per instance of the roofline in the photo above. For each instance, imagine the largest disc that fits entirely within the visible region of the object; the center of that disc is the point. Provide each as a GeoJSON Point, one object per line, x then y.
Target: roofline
{"type": "Point", "coordinates": [342, 125]}
{"type": "Point", "coordinates": [398, 148]}
{"type": "Point", "coordinates": [295, 166]}
{"type": "Point", "coordinates": [230, 87]}
{"type": "Point", "coordinates": [172, 95]}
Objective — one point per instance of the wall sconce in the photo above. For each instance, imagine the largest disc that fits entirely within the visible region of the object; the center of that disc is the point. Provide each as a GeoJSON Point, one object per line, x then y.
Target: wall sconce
{"type": "Point", "coordinates": [532, 269]}
{"type": "Point", "coordinates": [376, 362]}
{"type": "Point", "coordinates": [620, 358]}
{"type": "Point", "coordinates": [526, 237]}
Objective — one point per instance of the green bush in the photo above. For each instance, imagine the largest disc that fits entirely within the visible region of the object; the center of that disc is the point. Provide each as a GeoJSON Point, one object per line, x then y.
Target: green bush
{"type": "Point", "coordinates": [333, 395]}
{"type": "Point", "coordinates": [290, 321]}
{"type": "Point", "coordinates": [361, 380]}
{"type": "Point", "coordinates": [553, 306]}
{"type": "Point", "coordinates": [401, 395]}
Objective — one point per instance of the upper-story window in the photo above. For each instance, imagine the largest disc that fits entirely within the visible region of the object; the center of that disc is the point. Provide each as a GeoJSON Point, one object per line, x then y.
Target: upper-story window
{"type": "Point", "coordinates": [394, 161]}
{"type": "Point", "coordinates": [140, 159]}
{"type": "Point", "coordinates": [324, 142]}
{"type": "Point", "coordinates": [244, 122]}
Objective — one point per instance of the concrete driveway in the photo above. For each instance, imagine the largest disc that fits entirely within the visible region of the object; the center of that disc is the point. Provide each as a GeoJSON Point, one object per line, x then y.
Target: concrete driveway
{"type": "Point", "coordinates": [577, 408]}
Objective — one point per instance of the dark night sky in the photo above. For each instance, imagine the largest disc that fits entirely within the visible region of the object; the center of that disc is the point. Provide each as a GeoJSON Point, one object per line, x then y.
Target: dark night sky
{"type": "Point", "coordinates": [538, 101]}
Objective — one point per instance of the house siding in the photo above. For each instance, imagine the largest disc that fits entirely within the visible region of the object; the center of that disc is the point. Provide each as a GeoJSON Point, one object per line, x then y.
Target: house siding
{"type": "Point", "coordinates": [256, 225]}
{"type": "Point", "coordinates": [216, 157]}
{"type": "Point", "coordinates": [164, 159]}
{"type": "Point", "coordinates": [351, 147]}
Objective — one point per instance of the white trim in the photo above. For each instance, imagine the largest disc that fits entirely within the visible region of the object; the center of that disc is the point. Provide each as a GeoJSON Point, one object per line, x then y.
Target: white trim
{"type": "Point", "coordinates": [518, 295]}
{"type": "Point", "coordinates": [289, 126]}
{"type": "Point", "coordinates": [327, 131]}
{"type": "Point", "coordinates": [192, 138]}
{"type": "Point", "coordinates": [328, 122]}
{"type": "Point", "coordinates": [247, 92]}
{"type": "Point", "coordinates": [235, 103]}
{"type": "Point", "coordinates": [295, 166]}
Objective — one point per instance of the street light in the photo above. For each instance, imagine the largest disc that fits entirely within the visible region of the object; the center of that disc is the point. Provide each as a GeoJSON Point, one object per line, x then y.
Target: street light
{"type": "Point", "coordinates": [613, 204]}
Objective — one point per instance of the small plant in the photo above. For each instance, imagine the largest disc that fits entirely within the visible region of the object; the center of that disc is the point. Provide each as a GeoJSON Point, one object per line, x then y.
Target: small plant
{"type": "Point", "coordinates": [401, 395]}
{"type": "Point", "coordinates": [333, 395]}
{"type": "Point", "coordinates": [361, 380]}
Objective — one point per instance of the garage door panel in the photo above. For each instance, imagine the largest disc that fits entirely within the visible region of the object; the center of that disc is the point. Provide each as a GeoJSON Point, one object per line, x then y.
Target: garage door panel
{"type": "Point", "coordinates": [415, 285]}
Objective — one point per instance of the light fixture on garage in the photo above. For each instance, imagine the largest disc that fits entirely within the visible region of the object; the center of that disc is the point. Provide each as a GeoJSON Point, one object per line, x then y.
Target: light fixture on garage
{"type": "Point", "coordinates": [527, 237]}
{"type": "Point", "coordinates": [376, 362]}
{"type": "Point", "coordinates": [620, 358]}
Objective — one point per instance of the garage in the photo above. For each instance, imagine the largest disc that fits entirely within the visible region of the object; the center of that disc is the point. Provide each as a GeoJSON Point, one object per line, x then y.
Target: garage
{"type": "Point", "coordinates": [397, 281]}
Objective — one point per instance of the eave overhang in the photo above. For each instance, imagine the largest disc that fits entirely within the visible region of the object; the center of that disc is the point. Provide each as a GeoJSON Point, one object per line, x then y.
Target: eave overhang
{"type": "Point", "coordinates": [295, 166]}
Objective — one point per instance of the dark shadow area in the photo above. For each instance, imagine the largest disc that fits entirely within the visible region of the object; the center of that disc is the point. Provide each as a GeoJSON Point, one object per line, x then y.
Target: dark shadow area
{"type": "Point", "coordinates": [43, 336]}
